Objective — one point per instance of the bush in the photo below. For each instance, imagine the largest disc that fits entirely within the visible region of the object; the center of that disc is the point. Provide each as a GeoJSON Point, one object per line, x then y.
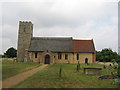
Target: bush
{"type": "Point", "coordinates": [11, 52]}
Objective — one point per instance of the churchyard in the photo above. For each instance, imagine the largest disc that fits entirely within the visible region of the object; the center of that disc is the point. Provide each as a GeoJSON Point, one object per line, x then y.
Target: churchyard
{"type": "Point", "coordinates": [10, 68]}
{"type": "Point", "coordinates": [49, 77]}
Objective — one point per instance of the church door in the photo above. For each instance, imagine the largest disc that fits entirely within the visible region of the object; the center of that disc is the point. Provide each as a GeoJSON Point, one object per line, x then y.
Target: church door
{"type": "Point", "coordinates": [47, 59]}
{"type": "Point", "coordinates": [86, 60]}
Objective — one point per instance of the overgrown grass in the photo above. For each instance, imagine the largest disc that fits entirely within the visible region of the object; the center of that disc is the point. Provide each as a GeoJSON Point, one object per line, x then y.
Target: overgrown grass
{"type": "Point", "coordinates": [49, 78]}
{"type": "Point", "coordinates": [10, 69]}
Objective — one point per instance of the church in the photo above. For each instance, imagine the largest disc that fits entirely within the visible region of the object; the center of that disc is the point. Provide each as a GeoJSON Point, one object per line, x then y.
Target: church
{"type": "Point", "coordinates": [50, 50]}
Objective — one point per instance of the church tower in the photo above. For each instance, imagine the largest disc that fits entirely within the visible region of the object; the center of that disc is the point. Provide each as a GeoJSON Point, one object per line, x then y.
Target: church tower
{"type": "Point", "coordinates": [24, 38]}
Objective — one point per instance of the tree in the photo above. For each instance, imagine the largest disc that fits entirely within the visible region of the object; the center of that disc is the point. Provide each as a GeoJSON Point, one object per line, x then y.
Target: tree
{"type": "Point", "coordinates": [11, 52]}
{"type": "Point", "coordinates": [118, 59]}
{"type": "Point", "coordinates": [99, 56]}
{"type": "Point", "coordinates": [118, 71]}
{"type": "Point", "coordinates": [106, 55]}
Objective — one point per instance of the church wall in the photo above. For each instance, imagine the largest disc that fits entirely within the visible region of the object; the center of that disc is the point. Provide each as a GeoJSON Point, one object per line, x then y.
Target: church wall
{"type": "Point", "coordinates": [72, 57]}
{"type": "Point", "coordinates": [63, 60]}
{"type": "Point", "coordinates": [82, 57]}
{"type": "Point", "coordinates": [39, 57]}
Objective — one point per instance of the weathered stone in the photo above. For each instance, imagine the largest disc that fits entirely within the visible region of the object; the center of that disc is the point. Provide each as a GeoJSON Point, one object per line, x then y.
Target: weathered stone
{"type": "Point", "coordinates": [93, 71]}
{"type": "Point", "coordinates": [106, 77]}
{"type": "Point", "coordinates": [24, 38]}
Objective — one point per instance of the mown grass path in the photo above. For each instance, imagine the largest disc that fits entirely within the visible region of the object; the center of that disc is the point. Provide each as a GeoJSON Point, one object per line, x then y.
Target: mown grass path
{"type": "Point", "coordinates": [70, 77]}
{"type": "Point", "coordinates": [10, 82]}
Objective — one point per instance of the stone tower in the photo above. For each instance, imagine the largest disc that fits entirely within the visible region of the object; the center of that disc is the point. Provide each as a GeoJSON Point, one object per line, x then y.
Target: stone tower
{"type": "Point", "coordinates": [24, 38]}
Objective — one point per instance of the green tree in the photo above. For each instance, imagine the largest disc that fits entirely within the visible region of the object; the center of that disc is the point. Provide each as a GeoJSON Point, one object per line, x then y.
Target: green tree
{"type": "Point", "coordinates": [99, 56]}
{"type": "Point", "coordinates": [106, 55]}
{"type": "Point", "coordinates": [0, 56]}
{"type": "Point", "coordinates": [118, 61]}
{"type": "Point", "coordinates": [11, 52]}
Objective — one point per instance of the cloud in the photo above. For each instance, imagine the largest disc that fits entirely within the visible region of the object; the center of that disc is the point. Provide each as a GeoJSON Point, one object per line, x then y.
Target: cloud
{"type": "Point", "coordinates": [9, 37]}
{"type": "Point", "coordinates": [63, 18]}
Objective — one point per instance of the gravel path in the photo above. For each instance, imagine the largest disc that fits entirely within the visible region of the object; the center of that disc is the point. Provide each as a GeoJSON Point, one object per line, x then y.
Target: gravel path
{"type": "Point", "coordinates": [10, 82]}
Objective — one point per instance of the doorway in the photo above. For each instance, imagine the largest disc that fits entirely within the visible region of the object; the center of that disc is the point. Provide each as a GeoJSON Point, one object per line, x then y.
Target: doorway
{"type": "Point", "coordinates": [86, 60]}
{"type": "Point", "coordinates": [47, 59]}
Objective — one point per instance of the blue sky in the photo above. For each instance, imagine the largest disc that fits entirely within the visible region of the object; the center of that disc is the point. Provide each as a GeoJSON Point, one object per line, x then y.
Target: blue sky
{"type": "Point", "coordinates": [81, 19]}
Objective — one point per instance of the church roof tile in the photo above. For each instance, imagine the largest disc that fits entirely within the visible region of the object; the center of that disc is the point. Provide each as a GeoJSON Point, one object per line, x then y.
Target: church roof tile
{"type": "Point", "coordinates": [83, 46]}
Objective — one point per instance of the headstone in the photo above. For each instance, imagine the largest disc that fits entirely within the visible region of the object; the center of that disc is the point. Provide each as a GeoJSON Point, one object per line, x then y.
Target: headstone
{"type": "Point", "coordinates": [92, 71]}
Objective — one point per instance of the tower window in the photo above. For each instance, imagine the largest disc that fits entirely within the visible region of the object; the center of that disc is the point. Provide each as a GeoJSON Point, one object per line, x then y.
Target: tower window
{"type": "Point", "coordinates": [77, 56]}
{"type": "Point", "coordinates": [35, 55]}
{"type": "Point", "coordinates": [66, 56]}
{"type": "Point", "coordinates": [59, 55]}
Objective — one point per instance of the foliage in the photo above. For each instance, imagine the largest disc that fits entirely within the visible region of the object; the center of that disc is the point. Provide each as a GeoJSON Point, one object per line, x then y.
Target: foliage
{"type": "Point", "coordinates": [107, 55]}
{"type": "Point", "coordinates": [118, 73]}
{"type": "Point", "coordinates": [0, 56]}
{"type": "Point", "coordinates": [3, 56]}
{"type": "Point", "coordinates": [11, 52]}
{"type": "Point", "coordinates": [118, 59]}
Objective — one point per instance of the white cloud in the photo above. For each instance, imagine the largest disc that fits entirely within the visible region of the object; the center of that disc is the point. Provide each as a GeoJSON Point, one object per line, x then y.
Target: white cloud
{"type": "Point", "coordinates": [78, 19]}
{"type": "Point", "coordinates": [9, 37]}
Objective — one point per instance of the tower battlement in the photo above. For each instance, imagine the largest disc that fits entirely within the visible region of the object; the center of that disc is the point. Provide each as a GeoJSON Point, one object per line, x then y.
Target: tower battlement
{"type": "Point", "coordinates": [25, 22]}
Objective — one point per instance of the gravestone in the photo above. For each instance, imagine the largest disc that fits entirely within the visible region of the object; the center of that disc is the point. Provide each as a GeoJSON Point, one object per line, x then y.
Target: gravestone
{"type": "Point", "coordinates": [106, 77]}
{"type": "Point", "coordinates": [92, 71]}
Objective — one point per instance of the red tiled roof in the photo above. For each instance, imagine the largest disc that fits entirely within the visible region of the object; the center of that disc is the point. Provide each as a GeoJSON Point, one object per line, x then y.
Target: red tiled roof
{"type": "Point", "coordinates": [83, 46]}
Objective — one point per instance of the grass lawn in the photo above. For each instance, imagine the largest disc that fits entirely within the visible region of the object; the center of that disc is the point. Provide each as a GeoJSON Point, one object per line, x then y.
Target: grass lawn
{"type": "Point", "coordinates": [49, 78]}
{"type": "Point", "coordinates": [9, 69]}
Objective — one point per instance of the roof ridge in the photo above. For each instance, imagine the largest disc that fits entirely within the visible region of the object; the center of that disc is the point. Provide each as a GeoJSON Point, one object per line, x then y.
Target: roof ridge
{"type": "Point", "coordinates": [81, 40]}
{"type": "Point", "coordinates": [37, 38]}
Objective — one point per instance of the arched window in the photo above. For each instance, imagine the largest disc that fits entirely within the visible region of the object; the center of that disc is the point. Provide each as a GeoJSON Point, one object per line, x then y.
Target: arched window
{"type": "Point", "coordinates": [77, 56]}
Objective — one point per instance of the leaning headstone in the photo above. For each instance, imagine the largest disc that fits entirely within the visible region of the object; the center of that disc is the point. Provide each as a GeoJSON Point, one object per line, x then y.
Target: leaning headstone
{"type": "Point", "coordinates": [60, 71]}
{"type": "Point", "coordinates": [77, 67]}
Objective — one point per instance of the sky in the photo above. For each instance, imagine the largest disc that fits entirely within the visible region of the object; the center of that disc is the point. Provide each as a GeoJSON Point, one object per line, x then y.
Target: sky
{"type": "Point", "coordinates": [80, 19]}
